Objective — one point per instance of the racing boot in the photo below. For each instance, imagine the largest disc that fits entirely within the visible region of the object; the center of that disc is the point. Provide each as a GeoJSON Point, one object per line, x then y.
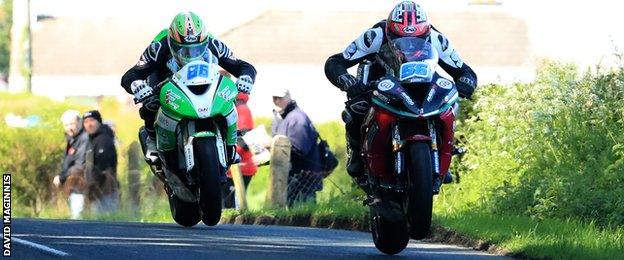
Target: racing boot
{"type": "Point", "coordinates": [151, 154]}
{"type": "Point", "coordinates": [147, 137]}
{"type": "Point", "coordinates": [355, 163]}
{"type": "Point", "coordinates": [438, 181]}
{"type": "Point", "coordinates": [232, 158]}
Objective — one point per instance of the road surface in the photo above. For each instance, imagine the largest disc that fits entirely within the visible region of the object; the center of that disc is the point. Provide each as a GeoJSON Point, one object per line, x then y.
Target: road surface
{"type": "Point", "coordinates": [45, 239]}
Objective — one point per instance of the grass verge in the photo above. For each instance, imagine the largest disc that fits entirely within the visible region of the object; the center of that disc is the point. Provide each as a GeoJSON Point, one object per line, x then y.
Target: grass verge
{"type": "Point", "coordinates": [518, 236]}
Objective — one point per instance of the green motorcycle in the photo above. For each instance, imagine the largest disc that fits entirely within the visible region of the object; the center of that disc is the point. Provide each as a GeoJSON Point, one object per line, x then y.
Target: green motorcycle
{"type": "Point", "coordinates": [195, 121]}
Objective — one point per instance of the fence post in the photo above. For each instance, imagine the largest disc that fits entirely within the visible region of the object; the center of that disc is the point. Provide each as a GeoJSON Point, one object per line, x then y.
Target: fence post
{"type": "Point", "coordinates": [239, 187]}
{"type": "Point", "coordinates": [134, 176]}
{"type": "Point", "coordinates": [280, 166]}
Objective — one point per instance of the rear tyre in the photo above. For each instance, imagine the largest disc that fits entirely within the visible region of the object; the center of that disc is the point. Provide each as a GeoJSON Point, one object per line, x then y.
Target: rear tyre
{"type": "Point", "coordinates": [184, 213]}
{"type": "Point", "coordinates": [208, 169]}
{"type": "Point", "coordinates": [389, 229]}
{"type": "Point", "coordinates": [420, 194]}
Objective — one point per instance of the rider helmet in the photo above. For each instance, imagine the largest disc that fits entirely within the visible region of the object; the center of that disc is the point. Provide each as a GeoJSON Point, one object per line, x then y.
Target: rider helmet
{"type": "Point", "coordinates": [407, 19]}
{"type": "Point", "coordinates": [187, 38]}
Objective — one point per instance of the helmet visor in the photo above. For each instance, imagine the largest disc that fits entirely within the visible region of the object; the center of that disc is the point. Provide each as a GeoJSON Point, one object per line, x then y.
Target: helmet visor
{"type": "Point", "coordinates": [188, 52]}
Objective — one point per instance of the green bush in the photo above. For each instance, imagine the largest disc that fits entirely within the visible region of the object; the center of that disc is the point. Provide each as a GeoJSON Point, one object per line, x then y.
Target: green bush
{"type": "Point", "coordinates": [553, 148]}
{"type": "Point", "coordinates": [31, 155]}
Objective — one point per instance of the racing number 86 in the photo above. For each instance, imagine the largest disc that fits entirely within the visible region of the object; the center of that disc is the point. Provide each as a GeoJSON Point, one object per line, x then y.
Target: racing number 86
{"type": "Point", "coordinates": [198, 70]}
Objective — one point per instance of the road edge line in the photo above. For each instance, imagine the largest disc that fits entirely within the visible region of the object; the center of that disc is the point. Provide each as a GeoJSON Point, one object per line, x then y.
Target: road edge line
{"type": "Point", "coordinates": [41, 247]}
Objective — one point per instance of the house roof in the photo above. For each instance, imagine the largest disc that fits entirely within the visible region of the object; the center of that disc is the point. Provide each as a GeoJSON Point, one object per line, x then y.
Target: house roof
{"type": "Point", "coordinates": [483, 39]}
{"type": "Point", "coordinates": [75, 46]}
{"type": "Point", "coordinates": [109, 46]}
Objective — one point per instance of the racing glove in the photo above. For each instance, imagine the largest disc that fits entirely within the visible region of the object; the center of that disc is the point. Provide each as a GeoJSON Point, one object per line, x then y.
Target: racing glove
{"type": "Point", "coordinates": [351, 85]}
{"type": "Point", "coordinates": [466, 86]}
{"type": "Point", "coordinates": [141, 91]}
{"type": "Point", "coordinates": [244, 84]}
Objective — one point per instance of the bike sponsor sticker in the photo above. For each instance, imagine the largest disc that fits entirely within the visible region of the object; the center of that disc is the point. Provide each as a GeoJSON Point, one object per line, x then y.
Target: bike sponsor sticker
{"type": "Point", "coordinates": [444, 83]}
{"type": "Point", "coordinates": [203, 110]}
{"type": "Point", "coordinates": [165, 122]}
{"type": "Point", "coordinates": [360, 107]}
{"type": "Point", "coordinates": [189, 157]}
{"type": "Point", "coordinates": [431, 94]}
{"type": "Point", "coordinates": [408, 99]}
{"type": "Point", "coordinates": [227, 94]}
{"type": "Point", "coordinates": [385, 85]}
{"type": "Point", "coordinates": [170, 99]}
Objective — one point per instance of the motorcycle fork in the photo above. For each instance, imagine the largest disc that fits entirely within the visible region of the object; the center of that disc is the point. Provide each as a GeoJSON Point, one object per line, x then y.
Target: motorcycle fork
{"type": "Point", "coordinates": [187, 157]}
{"type": "Point", "coordinates": [399, 158]}
{"type": "Point", "coordinates": [435, 154]}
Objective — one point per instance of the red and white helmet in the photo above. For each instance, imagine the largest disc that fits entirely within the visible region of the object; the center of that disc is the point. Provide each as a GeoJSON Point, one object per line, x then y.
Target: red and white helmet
{"type": "Point", "coordinates": [407, 19]}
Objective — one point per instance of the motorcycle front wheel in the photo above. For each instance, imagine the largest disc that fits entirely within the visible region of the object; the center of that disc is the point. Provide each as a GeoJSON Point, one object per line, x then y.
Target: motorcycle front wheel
{"type": "Point", "coordinates": [388, 227]}
{"type": "Point", "coordinates": [184, 213]}
{"type": "Point", "coordinates": [420, 194]}
{"type": "Point", "coordinates": [208, 169]}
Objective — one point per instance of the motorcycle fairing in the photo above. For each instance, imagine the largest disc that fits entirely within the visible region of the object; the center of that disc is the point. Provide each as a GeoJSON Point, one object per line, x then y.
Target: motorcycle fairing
{"type": "Point", "coordinates": [377, 144]}
{"type": "Point", "coordinates": [441, 96]}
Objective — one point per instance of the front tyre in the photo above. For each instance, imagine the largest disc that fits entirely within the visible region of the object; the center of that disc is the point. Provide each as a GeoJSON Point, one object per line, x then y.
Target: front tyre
{"type": "Point", "coordinates": [184, 213]}
{"type": "Point", "coordinates": [389, 228]}
{"type": "Point", "coordinates": [208, 169]}
{"type": "Point", "coordinates": [420, 194]}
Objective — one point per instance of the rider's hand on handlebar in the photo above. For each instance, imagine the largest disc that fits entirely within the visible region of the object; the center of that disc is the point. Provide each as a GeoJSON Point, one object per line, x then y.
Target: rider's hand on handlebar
{"type": "Point", "coordinates": [244, 84]}
{"type": "Point", "coordinates": [351, 85]}
{"type": "Point", "coordinates": [356, 89]}
{"type": "Point", "coordinates": [141, 90]}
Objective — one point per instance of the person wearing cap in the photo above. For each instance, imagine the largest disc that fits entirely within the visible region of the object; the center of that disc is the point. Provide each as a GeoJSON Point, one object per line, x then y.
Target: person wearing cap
{"type": "Point", "coordinates": [101, 164]}
{"type": "Point", "coordinates": [75, 147]}
{"type": "Point", "coordinates": [305, 177]}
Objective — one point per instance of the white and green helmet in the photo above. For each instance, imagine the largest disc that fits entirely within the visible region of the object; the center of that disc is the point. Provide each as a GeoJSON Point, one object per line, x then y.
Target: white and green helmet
{"type": "Point", "coordinates": [188, 38]}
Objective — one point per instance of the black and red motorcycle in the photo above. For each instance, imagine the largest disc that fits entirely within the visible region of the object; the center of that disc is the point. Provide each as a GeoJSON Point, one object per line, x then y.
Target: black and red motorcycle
{"type": "Point", "coordinates": [407, 142]}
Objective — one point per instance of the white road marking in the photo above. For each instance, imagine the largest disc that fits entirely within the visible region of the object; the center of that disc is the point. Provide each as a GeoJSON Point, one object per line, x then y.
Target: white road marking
{"type": "Point", "coordinates": [40, 247]}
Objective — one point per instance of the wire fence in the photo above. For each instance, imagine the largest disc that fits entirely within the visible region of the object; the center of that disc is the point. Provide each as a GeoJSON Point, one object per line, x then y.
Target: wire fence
{"type": "Point", "coordinates": [302, 186]}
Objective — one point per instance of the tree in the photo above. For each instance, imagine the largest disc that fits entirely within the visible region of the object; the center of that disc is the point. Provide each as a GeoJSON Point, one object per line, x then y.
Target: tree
{"type": "Point", "coordinates": [5, 39]}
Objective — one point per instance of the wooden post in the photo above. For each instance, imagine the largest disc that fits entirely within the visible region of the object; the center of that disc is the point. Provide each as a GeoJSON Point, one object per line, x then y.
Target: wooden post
{"type": "Point", "coordinates": [280, 166]}
{"type": "Point", "coordinates": [239, 187]}
{"type": "Point", "coordinates": [134, 176]}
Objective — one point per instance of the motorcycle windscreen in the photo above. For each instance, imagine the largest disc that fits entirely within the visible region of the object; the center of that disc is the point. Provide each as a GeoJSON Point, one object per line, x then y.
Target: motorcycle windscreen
{"type": "Point", "coordinates": [412, 59]}
{"type": "Point", "coordinates": [196, 73]}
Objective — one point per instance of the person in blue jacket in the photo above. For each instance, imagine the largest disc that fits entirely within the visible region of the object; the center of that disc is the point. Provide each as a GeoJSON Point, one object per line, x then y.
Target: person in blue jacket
{"type": "Point", "coordinates": [305, 177]}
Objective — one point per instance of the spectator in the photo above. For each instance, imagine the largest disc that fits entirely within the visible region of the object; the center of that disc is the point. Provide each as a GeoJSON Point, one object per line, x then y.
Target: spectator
{"type": "Point", "coordinates": [75, 147]}
{"type": "Point", "coordinates": [305, 177]}
{"type": "Point", "coordinates": [101, 164]}
{"type": "Point", "coordinates": [71, 177]}
{"type": "Point", "coordinates": [246, 166]}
